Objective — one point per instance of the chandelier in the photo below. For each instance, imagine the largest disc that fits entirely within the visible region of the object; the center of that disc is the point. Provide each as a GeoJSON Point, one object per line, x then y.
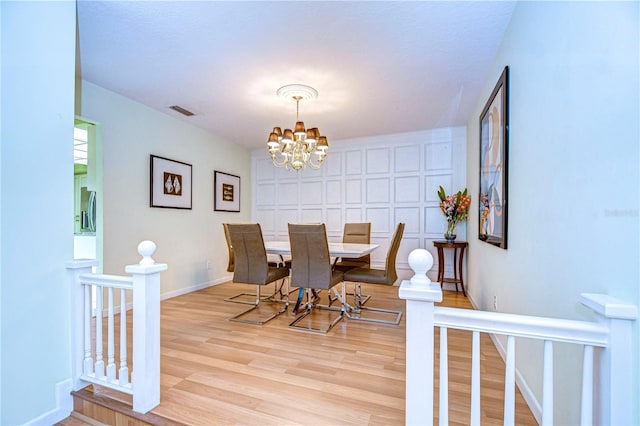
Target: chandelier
{"type": "Point", "coordinates": [300, 148]}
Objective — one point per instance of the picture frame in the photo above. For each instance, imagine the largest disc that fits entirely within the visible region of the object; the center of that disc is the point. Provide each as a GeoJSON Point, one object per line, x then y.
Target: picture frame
{"type": "Point", "coordinates": [226, 192]}
{"type": "Point", "coordinates": [494, 162]}
{"type": "Point", "coordinates": [170, 183]}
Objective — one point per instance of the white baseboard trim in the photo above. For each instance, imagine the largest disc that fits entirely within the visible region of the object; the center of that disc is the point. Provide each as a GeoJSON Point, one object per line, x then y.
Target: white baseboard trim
{"type": "Point", "coordinates": [525, 390]}
{"type": "Point", "coordinates": [64, 406]}
{"type": "Point", "coordinates": [180, 292]}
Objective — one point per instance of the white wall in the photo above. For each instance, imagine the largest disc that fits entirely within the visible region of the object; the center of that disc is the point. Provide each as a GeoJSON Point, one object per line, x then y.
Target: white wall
{"type": "Point", "coordinates": [382, 179]}
{"type": "Point", "coordinates": [186, 239]}
{"type": "Point", "coordinates": [573, 174]}
{"type": "Point", "coordinates": [36, 178]}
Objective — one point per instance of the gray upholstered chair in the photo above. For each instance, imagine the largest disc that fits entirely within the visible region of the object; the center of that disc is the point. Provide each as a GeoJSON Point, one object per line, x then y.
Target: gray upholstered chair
{"type": "Point", "coordinates": [229, 247]}
{"type": "Point", "coordinates": [251, 267]}
{"type": "Point", "coordinates": [311, 270]}
{"type": "Point", "coordinates": [355, 233]}
{"type": "Point", "coordinates": [241, 297]}
{"type": "Point", "coordinates": [359, 233]}
{"type": "Point", "coordinates": [386, 276]}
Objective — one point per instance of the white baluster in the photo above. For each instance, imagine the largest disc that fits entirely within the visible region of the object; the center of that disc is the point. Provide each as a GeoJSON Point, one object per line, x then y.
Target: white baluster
{"type": "Point", "coordinates": [475, 380]}
{"type": "Point", "coordinates": [88, 360]}
{"type": "Point", "coordinates": [99, 367]}
{"type": "Point", "coordinates": [123, 373]}
{"type": "Point", "coordinates": [547, 385]}
{"type": "Point", "coordinates": [80, 305]}
{"type": "Point", "coordinates": [444, 378]}
{"type": "Point", "coordinates": [586, 412]}
{"type": "Point", "coordinates": [111, 360]}
{"type": "Point", "coordinates": [509, 382]}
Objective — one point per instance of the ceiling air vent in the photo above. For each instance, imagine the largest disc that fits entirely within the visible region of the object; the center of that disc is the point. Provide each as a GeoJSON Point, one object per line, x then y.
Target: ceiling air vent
{"type": "Point", "coordinates": [181, 110]}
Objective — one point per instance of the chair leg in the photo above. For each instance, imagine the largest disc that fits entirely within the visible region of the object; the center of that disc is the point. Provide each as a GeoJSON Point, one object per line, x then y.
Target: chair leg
{"type": "Point", "coordinates": [359, 299]}
{"type": "Point", "coordinates": [310, 306]}
{"type": "Point", "coordinates": [276, 291]}
{"type": "Point", "coordinates": [238, 317]}
{"type": "Point", "coordinates": [355, 312]}
{"type": "Point", "coordinates": [234, 297]}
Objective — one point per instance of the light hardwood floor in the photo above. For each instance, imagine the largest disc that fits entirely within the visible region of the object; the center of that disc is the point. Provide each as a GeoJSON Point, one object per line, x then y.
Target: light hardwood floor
{"type": "Point", "coordinates": [219, 372]}
{"type": "Point", "coordinates": [216, 371]}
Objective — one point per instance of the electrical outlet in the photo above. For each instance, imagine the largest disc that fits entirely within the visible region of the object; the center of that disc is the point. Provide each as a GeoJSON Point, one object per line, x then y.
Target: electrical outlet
{"type": "Point", "coordinates": [208, 264]}
{"type": "Point", "coordinates": [495, 303]}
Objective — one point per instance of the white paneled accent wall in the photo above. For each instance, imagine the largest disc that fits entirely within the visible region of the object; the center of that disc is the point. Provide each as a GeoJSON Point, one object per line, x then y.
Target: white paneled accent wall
{"type": "Point", "coordinates": [383, 180]}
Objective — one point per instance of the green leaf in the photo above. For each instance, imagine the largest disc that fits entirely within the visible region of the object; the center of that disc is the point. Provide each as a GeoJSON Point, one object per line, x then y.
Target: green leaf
{"type": "Point", "coordinates": [441, 194]}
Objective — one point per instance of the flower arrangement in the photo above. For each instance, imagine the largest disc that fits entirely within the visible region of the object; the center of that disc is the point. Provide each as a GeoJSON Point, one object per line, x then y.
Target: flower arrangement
{"type": "Point", "coordinates": [455, 208]}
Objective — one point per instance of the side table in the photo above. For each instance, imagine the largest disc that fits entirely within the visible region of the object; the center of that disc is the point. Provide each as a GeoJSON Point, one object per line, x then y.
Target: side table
{"type": "Point", "coordinates": [457, 262]}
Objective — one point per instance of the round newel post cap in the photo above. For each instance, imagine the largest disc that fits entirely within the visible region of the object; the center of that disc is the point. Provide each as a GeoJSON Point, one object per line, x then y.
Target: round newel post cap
{"type": "Point", "coordinates": [146, 249]}
{"type": "Point", "coordinates": [420, 261]}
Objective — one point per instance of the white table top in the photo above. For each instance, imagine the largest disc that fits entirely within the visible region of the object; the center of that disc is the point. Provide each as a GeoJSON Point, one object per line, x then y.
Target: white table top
{"type": "Point", "coordinates": [335, 249]}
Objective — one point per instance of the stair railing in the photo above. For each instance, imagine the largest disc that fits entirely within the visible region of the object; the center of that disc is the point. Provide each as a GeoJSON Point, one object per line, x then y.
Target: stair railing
{"type": "Point", "coordinates": [606, 384]}
{"type": "Point", "coordinates": [87, 324]}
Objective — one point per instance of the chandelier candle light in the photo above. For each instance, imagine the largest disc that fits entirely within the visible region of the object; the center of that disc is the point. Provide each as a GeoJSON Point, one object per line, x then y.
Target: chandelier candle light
{"type": "Point", "coordinates": [295, 150]}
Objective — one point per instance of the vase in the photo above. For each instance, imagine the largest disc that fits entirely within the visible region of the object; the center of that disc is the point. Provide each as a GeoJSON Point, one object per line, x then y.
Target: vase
{"type": "Point", "coordinates": [450, 235]}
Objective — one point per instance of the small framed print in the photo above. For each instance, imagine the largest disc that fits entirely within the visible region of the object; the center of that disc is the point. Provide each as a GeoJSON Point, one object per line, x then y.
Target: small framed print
{"type": "Point", "coordinates": [170, 183]}
{"type": "Point", "coordinates": [226, 192]}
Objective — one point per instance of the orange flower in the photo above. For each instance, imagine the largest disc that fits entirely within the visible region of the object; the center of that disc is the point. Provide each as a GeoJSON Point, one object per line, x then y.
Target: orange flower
{"type": "Point", "coordinates": [455, 207]}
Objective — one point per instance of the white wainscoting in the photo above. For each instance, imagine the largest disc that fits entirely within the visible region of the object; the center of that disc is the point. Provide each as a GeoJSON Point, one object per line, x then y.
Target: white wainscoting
{"type": "Point", "coordinates": [383, 180]}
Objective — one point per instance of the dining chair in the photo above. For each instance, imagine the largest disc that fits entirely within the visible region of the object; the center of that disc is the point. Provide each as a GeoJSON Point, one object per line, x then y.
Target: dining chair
{"type": "Point", "coordinates": [311, 269]}
{"type": "Point", "coordinates": [359, 233]}
{"type": "Point", "coordinates": [386, 276]}
{"type": "Point", "coordinates": [355, 233]}
{"type": "Point", "coordinates": [229, 247]}
{"type": "Point", "coordinates": [237, 298]}
{"type": "Point", "coordinates": [251, 267]}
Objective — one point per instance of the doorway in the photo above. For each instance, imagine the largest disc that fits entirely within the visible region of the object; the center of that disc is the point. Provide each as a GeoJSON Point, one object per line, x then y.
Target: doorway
{"type": "Point", "coordinates": [87, 187]}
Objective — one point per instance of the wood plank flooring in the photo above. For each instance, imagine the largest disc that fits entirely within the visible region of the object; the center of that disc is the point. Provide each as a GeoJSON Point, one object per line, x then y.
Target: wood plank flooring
{"type": "Point", "coordinates": [219, 372]}
{"type": "Point", "coordinates": [216, 371]}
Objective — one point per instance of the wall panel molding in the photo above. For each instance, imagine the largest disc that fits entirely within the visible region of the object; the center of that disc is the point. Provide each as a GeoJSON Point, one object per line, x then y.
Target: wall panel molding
{"type": "Point", "coordinates": [382, 179]}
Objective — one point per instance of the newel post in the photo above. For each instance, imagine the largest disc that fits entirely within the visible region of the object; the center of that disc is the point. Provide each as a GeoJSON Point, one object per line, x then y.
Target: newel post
{"type": "Point", "coordinates": [420, 294]}
{"type": "Point", "coordinates": [145, 379]}
{"type": "Point", "coordinates": [80, 302]}
{"type": "Point", "coordinates": [615, 380]}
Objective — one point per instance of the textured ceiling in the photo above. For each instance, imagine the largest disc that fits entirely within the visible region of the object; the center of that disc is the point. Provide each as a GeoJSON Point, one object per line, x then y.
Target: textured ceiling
{"type": "Point", "coordinates": [379, 67]}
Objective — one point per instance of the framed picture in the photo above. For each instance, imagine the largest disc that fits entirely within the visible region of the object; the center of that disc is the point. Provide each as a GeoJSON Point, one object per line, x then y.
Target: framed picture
{"type": "Point", "coordinates": [170, 183]}
{"type": "Point", "coordinates": [227, 192]}
{"type": "Point", "coordinates": [494, 144]}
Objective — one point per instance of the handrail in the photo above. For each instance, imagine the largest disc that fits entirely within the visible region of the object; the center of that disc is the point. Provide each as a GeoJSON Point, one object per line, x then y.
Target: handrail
{"type": "Point", "coordinates": [115, 281]}
{"type": "Point", "coordinates": [556, 329]}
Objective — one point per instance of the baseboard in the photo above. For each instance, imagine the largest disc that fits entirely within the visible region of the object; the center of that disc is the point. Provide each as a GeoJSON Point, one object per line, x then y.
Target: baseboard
{"type": "Point", "coordinates": [64, 406]}
{"type": "Point", "coordinates": [180, 292]}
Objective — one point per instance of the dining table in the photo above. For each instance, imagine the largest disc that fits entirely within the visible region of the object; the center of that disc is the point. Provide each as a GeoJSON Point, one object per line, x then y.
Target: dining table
{"type": "Point", "coordinates": [335, 249]}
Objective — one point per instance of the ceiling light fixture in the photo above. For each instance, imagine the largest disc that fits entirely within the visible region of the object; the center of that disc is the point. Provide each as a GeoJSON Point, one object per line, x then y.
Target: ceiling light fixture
{"type": "Point", "coordinates": [295, 150]}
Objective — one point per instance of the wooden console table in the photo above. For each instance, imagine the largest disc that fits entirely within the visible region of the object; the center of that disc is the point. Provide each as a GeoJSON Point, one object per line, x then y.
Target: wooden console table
{"type": "Point", "coordinates": [457, 263]}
